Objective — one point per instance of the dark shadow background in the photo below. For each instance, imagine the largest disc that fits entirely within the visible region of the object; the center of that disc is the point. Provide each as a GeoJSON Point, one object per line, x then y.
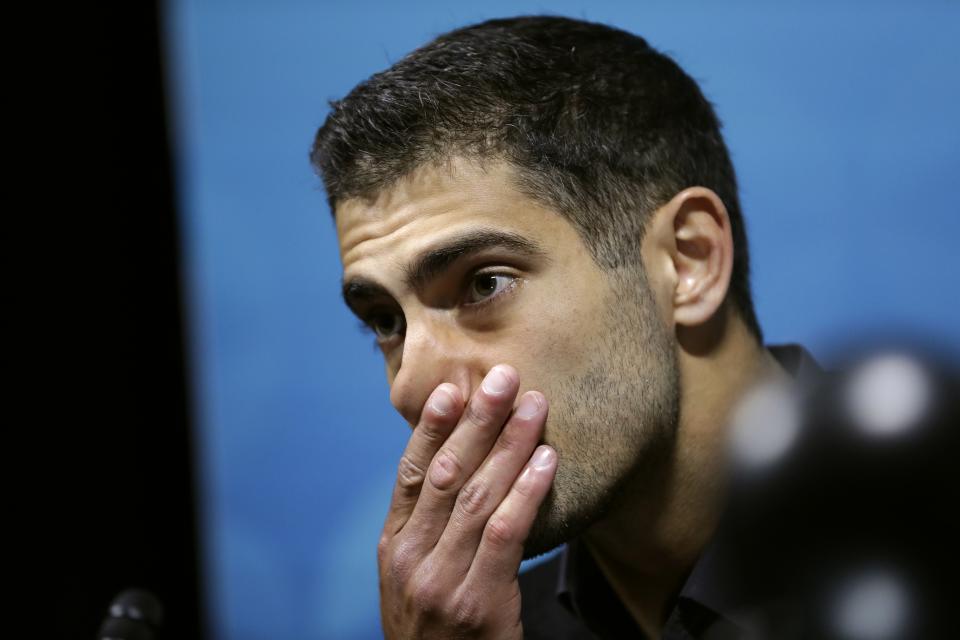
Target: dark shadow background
{"type": "Point", "coordinates": [106, 350]}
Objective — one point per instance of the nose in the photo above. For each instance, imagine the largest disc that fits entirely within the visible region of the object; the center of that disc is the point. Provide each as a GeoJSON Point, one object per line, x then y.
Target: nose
{"type": "Point", "coordinates": [432, 354]}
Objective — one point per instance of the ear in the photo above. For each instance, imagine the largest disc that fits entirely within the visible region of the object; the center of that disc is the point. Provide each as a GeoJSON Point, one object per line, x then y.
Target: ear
{"type": "Point", "coordinates": [690, 249]}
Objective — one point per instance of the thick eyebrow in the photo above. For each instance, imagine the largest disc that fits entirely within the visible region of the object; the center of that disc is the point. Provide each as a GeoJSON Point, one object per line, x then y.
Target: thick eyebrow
{"type": "Point", "coordinates": [358, 290]}
{"type": "Point", "coordinates": [437, 260]}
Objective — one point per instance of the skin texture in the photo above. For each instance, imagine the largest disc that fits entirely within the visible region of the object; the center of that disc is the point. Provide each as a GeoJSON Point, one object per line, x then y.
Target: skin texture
{"type": "Point", "coordinates": [627, 454]}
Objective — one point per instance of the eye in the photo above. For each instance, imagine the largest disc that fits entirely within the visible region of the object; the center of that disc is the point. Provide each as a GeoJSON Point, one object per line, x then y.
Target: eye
{"type": "Point", "coordinates": [386, 324]}
{"type": "Point", "coordinates": [484, 286]}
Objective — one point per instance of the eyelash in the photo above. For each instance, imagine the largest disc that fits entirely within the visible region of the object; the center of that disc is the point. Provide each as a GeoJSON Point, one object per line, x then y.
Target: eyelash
{"type": "Point", "coordinates": [497, 296]}
{"type": "Point", "coordinates": [366, 324]}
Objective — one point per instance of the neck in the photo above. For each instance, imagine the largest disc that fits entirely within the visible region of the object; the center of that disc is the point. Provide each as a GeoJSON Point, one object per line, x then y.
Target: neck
{"type": "Point", "coordinates": [651, 539]}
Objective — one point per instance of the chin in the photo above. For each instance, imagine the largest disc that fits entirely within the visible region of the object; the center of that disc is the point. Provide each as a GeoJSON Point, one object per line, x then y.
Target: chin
{"type": "Point", "coordinates": [557, 523]}
{"type": "Point", "coordinates": [578, 500]}
{"type": "Point", "coordinates": [546, 534]}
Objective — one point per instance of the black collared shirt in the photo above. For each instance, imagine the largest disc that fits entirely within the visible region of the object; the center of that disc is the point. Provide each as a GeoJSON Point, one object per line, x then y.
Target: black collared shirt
{"type": "Point", "coordinates": [568, 597]}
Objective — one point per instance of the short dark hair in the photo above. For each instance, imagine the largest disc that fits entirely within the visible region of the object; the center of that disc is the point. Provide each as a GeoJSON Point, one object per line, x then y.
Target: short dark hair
{"type": "Point", "coordinates": [597, 124]}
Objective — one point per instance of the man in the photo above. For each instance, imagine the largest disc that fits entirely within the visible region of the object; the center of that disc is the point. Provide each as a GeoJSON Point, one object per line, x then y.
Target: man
{"type": "Point", "coordinates": [539, 216]}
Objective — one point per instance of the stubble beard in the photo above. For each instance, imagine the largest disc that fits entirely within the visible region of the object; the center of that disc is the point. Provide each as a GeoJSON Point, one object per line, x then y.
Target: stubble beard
{"type": "Point", "coordinates": [614, 420]}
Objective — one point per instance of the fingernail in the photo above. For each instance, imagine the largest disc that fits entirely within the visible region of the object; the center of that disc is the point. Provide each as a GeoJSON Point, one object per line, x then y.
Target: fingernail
{"type": "Point", "coordinates": [441, 402]}
{"type": "Point", "coordinates": [542, 457]}
{"type": "Point", "coordinates": [496, 382]}
{"type": "Point", "coordinates": [529, 406]}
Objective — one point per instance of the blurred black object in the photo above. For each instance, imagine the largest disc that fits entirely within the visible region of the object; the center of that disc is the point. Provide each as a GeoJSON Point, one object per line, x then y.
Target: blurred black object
{"type": "Point", "coordinates": [134, 614]}
{"type": "Point", "coordinates": [842, 522]}
{"type": "Point", "coordinates": [115, 452]}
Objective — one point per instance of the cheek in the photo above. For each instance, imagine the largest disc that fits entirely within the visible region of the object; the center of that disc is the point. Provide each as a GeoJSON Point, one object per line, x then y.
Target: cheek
{"type": "Point", "coordinates": [552, 341]}
{"type": "Point", "coordinates": [569, 320]}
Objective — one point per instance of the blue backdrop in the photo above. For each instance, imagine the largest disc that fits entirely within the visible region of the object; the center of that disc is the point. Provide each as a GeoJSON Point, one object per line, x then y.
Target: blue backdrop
{"type": "Point", "coordinates": [842, 121]}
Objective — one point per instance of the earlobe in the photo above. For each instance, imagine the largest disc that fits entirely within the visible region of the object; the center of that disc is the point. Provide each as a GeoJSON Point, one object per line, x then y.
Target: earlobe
{"type": "Point", "coordinates": [701, 255]}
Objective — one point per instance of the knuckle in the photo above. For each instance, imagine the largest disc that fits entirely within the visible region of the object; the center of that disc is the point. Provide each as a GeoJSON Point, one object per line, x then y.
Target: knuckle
{"type": "Point", "coordinates": [500, 533]}
{"type": "Point", "coordinates": [426, 595]}
{"type": "Point", "coordinates": [383, 549]}
{"type": "Point", "coordinates": [479, 413]}
{"type": "Point", "coordinates": [466, 614]}
{"type": "Point", "coordinates": [431, 432]}
{"type": "Point", "coordinates": [473, 498]}
{"type": "Point", "coordinates": [401, 561]}
{"type": "Point", "coordinates": [510, 439]}
{"type": "Point", "coordinates": [525, 490]}
{"type": "Point", "coordinates": [445, 469]}
{"type": "Point", "coordinates": [409, 475]}
{"type": "Point", "coordinates": [525, 485]}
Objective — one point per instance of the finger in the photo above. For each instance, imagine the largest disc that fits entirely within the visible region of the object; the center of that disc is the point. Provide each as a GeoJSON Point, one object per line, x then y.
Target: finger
{"type": "Point", "coordinates": [501, 546]}
{"type": "Point", "coordinates": [462, 453]}
{"type": "Point", "coordinates": [486, 489]}
{"type": "Point", "coordinates": [440, 414]}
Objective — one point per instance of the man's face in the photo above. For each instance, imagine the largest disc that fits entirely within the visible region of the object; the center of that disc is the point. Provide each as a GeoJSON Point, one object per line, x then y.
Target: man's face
{"type": "Point", "coordinates": [456, 271]}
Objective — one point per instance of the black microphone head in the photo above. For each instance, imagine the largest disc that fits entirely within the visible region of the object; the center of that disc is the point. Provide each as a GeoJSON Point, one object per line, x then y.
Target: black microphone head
{"type": "Point", "coordinates": [125, 629]}
{"type": "Point", "coordinates": [135, 614]}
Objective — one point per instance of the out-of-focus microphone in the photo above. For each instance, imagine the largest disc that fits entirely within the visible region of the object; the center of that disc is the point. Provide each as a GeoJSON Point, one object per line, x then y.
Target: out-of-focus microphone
{"type": "Point", "coordinates": [134, 614]}
{"type": "Point", "coordinates": [839, 525]}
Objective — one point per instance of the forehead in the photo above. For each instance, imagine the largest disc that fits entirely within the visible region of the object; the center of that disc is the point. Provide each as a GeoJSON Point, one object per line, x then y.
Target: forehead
{"type": "Point", "coordinates": [434, 202]}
